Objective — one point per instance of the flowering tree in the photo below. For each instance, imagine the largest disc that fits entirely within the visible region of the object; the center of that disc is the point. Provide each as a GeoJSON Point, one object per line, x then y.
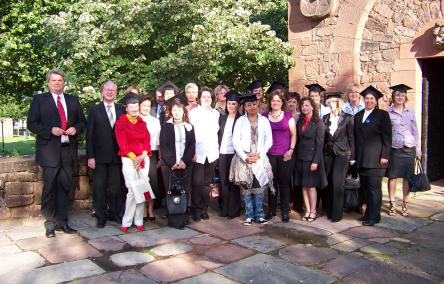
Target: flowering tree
{"type": "Point", "coordinates": [145, 42]}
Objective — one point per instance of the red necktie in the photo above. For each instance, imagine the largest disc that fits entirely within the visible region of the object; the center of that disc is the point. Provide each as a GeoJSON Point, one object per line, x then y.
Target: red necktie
{"type": "Point", "coordinates": [61, 113]}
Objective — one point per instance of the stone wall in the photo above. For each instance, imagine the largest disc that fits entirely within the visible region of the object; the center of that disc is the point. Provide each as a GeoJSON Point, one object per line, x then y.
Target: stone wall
{"type": "Point", "coordinates": [21, 187]}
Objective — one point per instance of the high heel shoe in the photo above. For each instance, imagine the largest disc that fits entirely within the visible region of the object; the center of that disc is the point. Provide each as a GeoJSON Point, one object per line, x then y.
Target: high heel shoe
{"type": "Point", "coordinates": [306, 216]}
{"type": "Point", "coordinates": [310, 218]}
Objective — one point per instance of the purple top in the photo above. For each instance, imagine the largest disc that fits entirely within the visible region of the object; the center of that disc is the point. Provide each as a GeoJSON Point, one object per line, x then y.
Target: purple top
{"type": "Point", "coordinates": [404, 130]}
{"type": "Point", "coordinates": [281, 135]}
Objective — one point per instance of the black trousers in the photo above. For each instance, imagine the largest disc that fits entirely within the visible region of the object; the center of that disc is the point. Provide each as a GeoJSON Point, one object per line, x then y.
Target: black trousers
{"type": "Point", "coordinates": [371, 186]}
{"type": "Point", "coordinates": [200, 196]}
{"type": "Point", "coordinates": [155, 176]}
{"type": "Point", "coordinates": [57, 183]}
{"type": "Point", "coordinates": [106, 190]}
{"type": "Point", "coordinates": [296, 191]}
{"type": "Point", "coordinates": [230, 199]}
{"type": "Point", "coordinates": [336, 168]}
{"type": "Point", "coordinates": [282, 173]}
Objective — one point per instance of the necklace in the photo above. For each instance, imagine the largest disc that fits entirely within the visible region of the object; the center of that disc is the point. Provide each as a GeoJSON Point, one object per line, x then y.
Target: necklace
{"type": "Point", "coordinates": [276, 116]}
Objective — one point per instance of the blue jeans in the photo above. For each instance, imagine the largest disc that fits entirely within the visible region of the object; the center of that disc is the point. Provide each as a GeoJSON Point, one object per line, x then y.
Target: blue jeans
{"type": "Point", "coordinates": [253, 205]}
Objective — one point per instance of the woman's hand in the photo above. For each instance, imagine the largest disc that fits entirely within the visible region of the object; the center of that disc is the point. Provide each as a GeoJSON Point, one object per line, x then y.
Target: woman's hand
{"type": "Point", "coordinates": [418, 157]}
{"type": "Point", "coordinates": [287, 155]}
{"type": "Point", "coordinates": [383, 161]}
{"type": "Point", "coordinates": [182, 165]}
{"type": "Point", "coordinates": [313, 167]}
{"type": "Point", "coordinates": [137, 160]}
{"type": "Point", "coordinates": [175, 167]}
{"type": "Point", "coordinates": [195, 158]}
{"type": "Point", "coordinates": [251, 158]}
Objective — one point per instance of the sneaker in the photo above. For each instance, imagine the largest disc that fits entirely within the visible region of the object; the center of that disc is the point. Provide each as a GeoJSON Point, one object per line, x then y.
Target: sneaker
{"type": "Point", "coordinates": [248, 222]}
{"type": "Point", "coordinates": [262, 221]}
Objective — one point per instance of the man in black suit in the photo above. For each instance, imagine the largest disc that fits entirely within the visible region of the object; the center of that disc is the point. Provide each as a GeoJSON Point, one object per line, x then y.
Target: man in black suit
{"type": "Point", "coordinates": [101, 152]}
{"type": "Point", "coordinates": [57, 119]}
{"type": "Point", "coordinates": [159, 106]}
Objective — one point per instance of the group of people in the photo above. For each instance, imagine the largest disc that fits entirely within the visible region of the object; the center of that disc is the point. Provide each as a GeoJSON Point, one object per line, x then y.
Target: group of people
{"type": "Point", "coordinates": [298, 150]}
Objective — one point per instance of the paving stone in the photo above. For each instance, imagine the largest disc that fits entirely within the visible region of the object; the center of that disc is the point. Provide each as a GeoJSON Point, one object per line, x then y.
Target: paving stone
{"type": "Point", "coordinates": [436, 229]}
{"type": "Point", "coordinates": [41, 242]}
{"type": "Point", "coordinates": [66, 253]}
{"type": "Point", "coordinates": [172, 249]}
{"type": "Point", "coordinates": [401, 240]}
{"type": "Point", "coordinates": [157, 236]}
{"type": "Point", "coordinates": [62, 272]}
{"type": "Point", "coordinates": [337, 238]}
{"type": "Point", "coordinates": [6, 225]}
{"type": "Point", "coordinates": [227, 253]}
{"type": "Point", "coordinates": [209, 277]}
{"type": "Point", "coordinates": [11, 249]}
{"type": "Point", "coordinates": [380, 240]}
{"type": "Point", "coordinates": [345, 264]}
{"type": "Point", "coordinates": [307, 255]}
{"type": "Point", "coordinates": [226, 229]}
{"type": "Point", "coordinates": [325, 224]}
{"type": "Point", "coordinates": [26, 231]}
{"type": "Point", "coordinates": [260, 243]}
{"type": "Point", "coordinates": [4, 240]}
{"type": "Point", "coordinates": [438, 217]}
{"type": "Point", "coordinates": [421, 259]}
{"type": "Point", "coordinates": [397, 245]}
{"type": "Point", "coordinates": [302, 228]}
{"type": "Point", "coordinates": [107, 243]}
{"type": "Point", "coordinates": [262, 268]}
{"type": "Point", "coordinates": [426, 240]}
{"type": "Point", "coordinates": [379, 249]}
{"type": "Point", "coordinates": [404, 224]}
{"type": "Point", "coordinates": [18, 261]}
{"type": "Point", "coordinates": [95, 233]}
{"type": "Point", "coordinates": [128, 276]}
{"type": "Point", "coordinates": [204, 240]}
{"type": "Point", "coordinates": [172, 269]}
{"type": "Point", "coordinates": [200, 260]}
{"type": "Point", "coordinates": [422, 208]}
{"type": "Point", "coordinates": [383, 273]}
{"type": "Point", "coordinates": [131, 258]}
{"type": "Point", "coordinates": [351, 245]}
{"type": "Point", "coordinates": [369, 232]}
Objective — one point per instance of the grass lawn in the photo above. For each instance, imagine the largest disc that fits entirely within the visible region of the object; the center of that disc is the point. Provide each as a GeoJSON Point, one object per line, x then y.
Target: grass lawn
{"type": "Point", "coordinates": [19, 145]}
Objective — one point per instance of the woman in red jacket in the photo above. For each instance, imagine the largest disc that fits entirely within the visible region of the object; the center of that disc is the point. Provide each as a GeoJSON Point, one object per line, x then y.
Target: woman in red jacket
{"type": "Point", "coordinates": [134, 148]}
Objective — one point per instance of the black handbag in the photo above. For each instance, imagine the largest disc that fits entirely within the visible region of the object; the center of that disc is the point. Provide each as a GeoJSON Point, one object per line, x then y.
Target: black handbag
{"type": "Point", "coordinates": [351, 191]}
{"type": "Point", "coordinates": [176, 195]}
{"type": "Point", "coordinates": [419, 182]}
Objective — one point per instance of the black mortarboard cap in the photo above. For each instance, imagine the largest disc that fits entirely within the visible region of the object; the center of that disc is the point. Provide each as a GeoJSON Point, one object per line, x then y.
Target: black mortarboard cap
{"type": "Point", "coordinates": [275, 86]}
{"type": "Point", "coordinates": [372, 91]}
{"type": "Point", "coordinates": [254, 85]}
{"type": "Point", "coordinates": [248, 98]}
{"type": "Point", "coordinates": [130, 98]}
{"type": "Point", "coordinates": [315, 88]}
{"type": "Point", "coordinates": [232, 96]}
{"type": "Point", "coordinates": [400, 88]}
{"type": "Point", "coordinates": [178, 99]}
{"type": "Point", "coordinates": [331, 95]}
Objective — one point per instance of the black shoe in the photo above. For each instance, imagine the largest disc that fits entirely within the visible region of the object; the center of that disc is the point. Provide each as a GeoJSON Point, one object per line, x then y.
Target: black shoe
{"type": "Point", "coordinates": [186, 222]}
{"type": "Point", "coordinates": [196, 218]}
{"type": "Point", "coordinates": [368, 223]}
{"type": "Point", "coordinates": [100, 224]}
{"type": "Point", "coordinates": [66, 229]}
{"type": "Point", "coordinates": [269, 216]}
{"type": "Point", "coordinates": [205, 216]}
{"type": "Point", "coordinates": [50, 233]}
{"type": "Point", "coordinates": [335, 220]}
{"type": "Point", "coordinates": [285, 218]}
{"type": "Point", "coordinates": [118, 219]}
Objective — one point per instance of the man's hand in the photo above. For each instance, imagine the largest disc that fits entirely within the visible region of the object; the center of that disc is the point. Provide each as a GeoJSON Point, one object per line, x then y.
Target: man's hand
{"type": "Point", "coordinates": [383, 161]}
{"type": "Point", "coordinates": [57, 131]}
{"type": "Point", "coordinates": [182, 165]}
{"type": "Point", "coordinates": [92, 163]}
{"type": "Point", "coordinates": [71, 131]}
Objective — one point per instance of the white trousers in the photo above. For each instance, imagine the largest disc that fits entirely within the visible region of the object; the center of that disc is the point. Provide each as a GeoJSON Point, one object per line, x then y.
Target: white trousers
{"type": "Point", "coordinates": [132, 210]}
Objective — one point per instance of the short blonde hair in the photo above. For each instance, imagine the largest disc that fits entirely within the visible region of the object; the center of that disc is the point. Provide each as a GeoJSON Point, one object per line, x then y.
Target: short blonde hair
{"type": "Point", "coordinates": [220, 87]}
{"type": "Point", "coordinates": [334, 100]}
{"type": "Point", "coordinates": [350, 88]}
{"type": "Point", "coordinates": [191, 86]}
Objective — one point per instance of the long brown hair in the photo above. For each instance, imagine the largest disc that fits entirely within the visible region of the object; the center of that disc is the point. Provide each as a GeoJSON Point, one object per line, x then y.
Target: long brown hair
{"type": "Point", "coordinates": [315, 116]}
{"type": "Point", "coordinates": [169, 108]}
{"type": "Point", "coordinates": [281, 96]}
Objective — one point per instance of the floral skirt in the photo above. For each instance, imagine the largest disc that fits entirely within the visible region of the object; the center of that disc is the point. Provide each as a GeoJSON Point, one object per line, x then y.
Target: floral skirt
{"type": "Point", "coordinates": [241, 174]}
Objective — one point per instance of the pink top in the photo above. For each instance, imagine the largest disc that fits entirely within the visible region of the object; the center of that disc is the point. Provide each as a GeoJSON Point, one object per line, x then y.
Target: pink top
{"type": "Point", "coordinates": [404, 129]}
{"type": "Point", "coordinates": [281, 134]}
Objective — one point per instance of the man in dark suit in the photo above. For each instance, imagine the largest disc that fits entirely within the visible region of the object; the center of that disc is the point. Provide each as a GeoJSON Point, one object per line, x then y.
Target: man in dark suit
{"type": "Point", "coordinates": [157, 108]}
{"type": "Point", "coordinates": [57, 119]}
{"type": "Point", "coordinates": [101, 152]}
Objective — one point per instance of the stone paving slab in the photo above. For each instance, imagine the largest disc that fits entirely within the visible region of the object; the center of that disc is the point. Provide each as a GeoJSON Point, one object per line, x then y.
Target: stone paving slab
{"type": "Point", "coordinates": [369, 232]}
{"type": "Point", "coordinates": [226, 229]}
{"type": "Point", "coordinates": [41, 242]}
{"type": "Point", "coordinates": [426, 240]}
{"type": "Point", "coordinates": [4, 240]}
{"type": "Point", "coordinates": [11, 249]}
{"type": "Point", "coordinates": [325, 224]}
{"type": "Point", "coordinates": [302, 228]}
{"type": "Point", "coordinates": [227, 253]}
{"type": "Point", "coordinates": [345, 264]}
{"type": "Point", "coordinates": [6, 225]}
{"type": "Point", "coordinates": [351, 245]}
{"type": "Point", "coordinates": [424, 208]}
{"type": "Point", "coordinates": [23, 260]}
{"type": "Point", "coordinates": [337, 238]}
{"type": "Point", "coordinates": [404, 224]}
{"type": "Point", "coordinates": [266, 269]}
{"type": "Point", "coordinates": [201, 260]}
{"type": "Point", "coordinates": [307, 255]}
{"type": "Point", "coordinates": [260, 243]}
{"type": "Point", "coordinates": [421, 259]}
{"type": "Point", "coordinates": [380, 240]}
{"type": "Point", "coordinates": [172, 249]}
{"type": "Point", "coordinates": [438, 217]}
{"type": "Point", "coordinates": [209, 277]}
{"type": "Point", "coordinates": [205, 240]}
{"type": "Point", "coordinates": [383, 273]}
{"type": "Point", "coordinates": [128, 276]}
{"type": "Point", "coordinates": [67, 253]}
{"type": "Point", "coordinates": [131, 258]}
{"type": "Point", "coordinates": [379, 249]}
{"type": "Point", "coordinates": [95, 233]}
{"type": "Point", "coordinates": [107, 243]}
{"type": "Point", "coordinates": [62, 272]}
{"type": "Point", "coordinates": [157, 236]}
{"type": "Point", "coordinates": [435, 229]}
{"type": "Point", "coordinates": [171, 269]}
{"type": "Point", "coordinates": [26, 231]}
{"type": "Point", "coordinates": [398, 245]}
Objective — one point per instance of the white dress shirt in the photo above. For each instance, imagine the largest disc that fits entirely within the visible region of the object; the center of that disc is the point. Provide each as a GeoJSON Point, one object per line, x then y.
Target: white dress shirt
{"type": "Point", "coordinates": [334, 120]}
{"type": "Point", "coordinates": [206, 126]}
{"type": "Point", "coordinates": [324, 110]}
{"type": "Point", "coordinates": [366, 114]}
{"type": "Point", "coordinates": [226, 144]}
{"type": "Point", "coordinates": [153, 126]}
{"type": "Point", "coordinates": [63, 138]}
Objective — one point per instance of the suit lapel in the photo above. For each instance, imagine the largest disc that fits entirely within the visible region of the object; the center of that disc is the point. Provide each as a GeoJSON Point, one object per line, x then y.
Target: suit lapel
{"type": "Point", "coordinates": [340, 124]}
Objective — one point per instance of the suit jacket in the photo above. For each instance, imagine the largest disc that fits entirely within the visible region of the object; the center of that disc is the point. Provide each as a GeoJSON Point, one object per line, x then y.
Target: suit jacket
{"type": "Point", "coordinates": [373, 139]}
{"type": "Point", "coordinates": [222, 122]}
{"type": "Point", "coordinates": [153, 110]}
{"type": "Point", "coordinates": [310, 143]}
{"type": "Point", "coordinates": [43, 116]}
{"type": "Point", "coordinates": [342, 143]}
{"type": "Point", "coordinates": [168, 145]}
{"type": "Point", "coordinates": [101, 143]}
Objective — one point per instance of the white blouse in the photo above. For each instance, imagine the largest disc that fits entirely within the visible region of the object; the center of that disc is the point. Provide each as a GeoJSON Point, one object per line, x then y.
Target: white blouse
{"type": "Point", "coordinates": [226, 145]}
{"type": "Point", "coordinates": [153, 126]}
